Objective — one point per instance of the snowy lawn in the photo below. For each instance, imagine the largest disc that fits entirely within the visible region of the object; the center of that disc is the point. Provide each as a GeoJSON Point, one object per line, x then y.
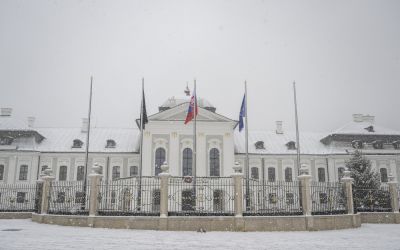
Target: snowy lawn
{"type": "Point", "coordinates": [24, 234]}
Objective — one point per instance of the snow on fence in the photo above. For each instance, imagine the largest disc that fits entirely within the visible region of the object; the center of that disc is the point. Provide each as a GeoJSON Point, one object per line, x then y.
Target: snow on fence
{"type": "Point", "coordinates": [201, 196]}
{"type": "Point", "coordinates": [69, 197]}
{"type": "Point", "coordinates": [130, 196]}
{"type": "Point", "coordinates": [328, 198]}
{"type": "Point", "coordinates": [19, 197]}
{"type": "Point", "coordinates": [371, 199]}
{"type": "Point", "coordinates": [271, 198]}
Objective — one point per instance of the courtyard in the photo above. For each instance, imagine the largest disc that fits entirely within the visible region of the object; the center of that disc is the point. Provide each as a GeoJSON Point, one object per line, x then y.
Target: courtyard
{"type": "Point", "coordinates": [25, 234]}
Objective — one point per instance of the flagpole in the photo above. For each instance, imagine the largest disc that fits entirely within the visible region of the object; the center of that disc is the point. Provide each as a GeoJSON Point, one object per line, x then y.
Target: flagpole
{"type": "Point", "coordinates": [194, 141]}
{"type": "Point", "coordinates": [297, 128]}
{"type": "Point", "coordinates": [139, 195]}
{"type": "Point", "coordinates": [87, 143]}
{"type": "Point", "coordinates": [247, 150]}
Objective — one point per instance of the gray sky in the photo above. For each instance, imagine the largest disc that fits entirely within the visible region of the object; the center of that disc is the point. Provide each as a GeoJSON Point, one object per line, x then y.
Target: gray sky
{"type": "Point", "coordinates": [344, 56]}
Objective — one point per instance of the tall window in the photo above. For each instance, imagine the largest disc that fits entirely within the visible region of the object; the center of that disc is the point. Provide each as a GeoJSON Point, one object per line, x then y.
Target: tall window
{"type": "Point", "coordinates": [384, 175]}
{"type": "Point", "coordinates": [116, 173]}
{"type": "Point", "coordinates": [288, 175]}
{"type": "Point", "coordinates": [133, 171]}
{"type": "Point", "coordinates": [271, 174]}
{"type": "Point", "coordinates": [321, 174]}
{"type": "Point", "coordinates": [340, 173]}
{"type": "Point", "coordinates": [1, 172]}
{"type": "Point", "coordinates": [214, 162]}
{"type": "Point", "coordinates": [80, 173]}
{"type": "Point", "coordinates": [156, 200]}
{"type": "Point", "coordinates": [160, 159]}
{"type": "Point", "coordinates": [187, 159]}
{"type": "Point", "coordinates": [62, 175]}
{"type": "Point", "coordinates": [23, 172]}
{"type": "Point", "coordinates": [218, 201]}
{"type": "Point", "coordinates": [254, 173]}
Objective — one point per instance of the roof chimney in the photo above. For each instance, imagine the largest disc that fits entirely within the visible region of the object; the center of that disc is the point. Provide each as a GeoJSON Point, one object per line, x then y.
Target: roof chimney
{"type": "Point", "coordinates": [369, 118]}
{"type": "Point", "coordinates": [357, 117]}
{"type": "Point", "coordinates": [85, 125]}
{"type": "Point", "coordinates": [6, 111]}
{"type": "Point", "coordinates": [31, 121]}
{"type": "Point", "coordinates": [279, 128]}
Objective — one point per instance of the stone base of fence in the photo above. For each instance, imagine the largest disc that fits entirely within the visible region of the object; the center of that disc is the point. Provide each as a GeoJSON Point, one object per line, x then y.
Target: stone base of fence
{"type": "Point", "coordinates": [380, 218]}
{"type": "Point", "coordinates": [209, 223]}
{"type": "Point", "coordinates": [15, 215]}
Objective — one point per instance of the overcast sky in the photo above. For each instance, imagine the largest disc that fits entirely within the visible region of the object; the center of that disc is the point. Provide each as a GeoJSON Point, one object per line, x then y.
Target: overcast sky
{"type": "Point", "coordinates": [343, 55]}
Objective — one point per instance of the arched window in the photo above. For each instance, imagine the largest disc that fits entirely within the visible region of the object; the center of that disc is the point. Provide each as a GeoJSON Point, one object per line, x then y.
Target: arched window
{"type": "Point", "coordinates": [160, 159]}
{"type": "Point", "coordinates": [384, 175]}
{"type": "Point", "coordinates": [254, 173]}
{"type": "Point", "coordinates": [133, 171]}
{"type": "Point", "coordinates": [1, 172]}
{"type": "Point", "coordinates": [80, 173]}
{"type": "Point", "coordinates": [77, 143]}
{"type": "Point", "coordinates": [288, 175]}
{"type": "Point", "coordinates": [62, 175]}
{"type": "Point", "coordinates": [340, 173]}
{"type": "Point", "coordinates": [116, 173]}
{"type": "Point", "coordinates": [271, 174]}
{"type": "Point", "coordinates": [214, 162]}
{"type": "Point", "coordinates": [23, 172]}
{"type": "Point", "coordinates": [187, 159]}
{"type": "Point", "coordinates": [321, 174]}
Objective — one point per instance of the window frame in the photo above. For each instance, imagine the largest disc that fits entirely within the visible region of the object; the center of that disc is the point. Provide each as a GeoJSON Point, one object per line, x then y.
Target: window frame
{"type": "Point", "coordinates": [188, 161]}
{"type": "Point", "coordinates": [23, 175]}
{"type": "Point", "coordinates": [63, 172]}
{"type": "Point", "coordinates": [114, 173]}
{"type": "Point", "coordinates": [214, 162]}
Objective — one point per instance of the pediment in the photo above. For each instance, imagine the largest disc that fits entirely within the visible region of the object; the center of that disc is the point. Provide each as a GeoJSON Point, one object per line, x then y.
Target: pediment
{"type": "Point", "coordinates": [179, 113]}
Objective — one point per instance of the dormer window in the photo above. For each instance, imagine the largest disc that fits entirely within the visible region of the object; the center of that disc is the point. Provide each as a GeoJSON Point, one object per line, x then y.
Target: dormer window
{"type": "Point", "coordinates": [370, 129]}
{"type": "Point", "coordinates": [378, 144]}
{"type": "Point", "coordinates": [291, 145]}
{"type": "Point", "coordinates": [259, 145]}
{"type": "Point", "coordinates": [77, 143]}
{"type": "Point", "coordinates": [357, 144]}
{"type": "Point", "coordinates": [6, 140]}
{"type": "Point", "coordinates": [110, 144]}
{"type": "Point", "coordinates": [396, 144]}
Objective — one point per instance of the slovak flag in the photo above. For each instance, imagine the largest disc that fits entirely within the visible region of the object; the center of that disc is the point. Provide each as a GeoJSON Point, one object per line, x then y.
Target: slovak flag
{"type": "Point", "coordinates": [191, 113]}
{"type": "Point", "coordinates": [242, 113]}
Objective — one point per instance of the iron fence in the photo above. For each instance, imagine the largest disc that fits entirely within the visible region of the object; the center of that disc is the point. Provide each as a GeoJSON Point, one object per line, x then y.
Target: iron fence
{"type": "Point", "coordinates": [69, 197]}
{"type": "Point", "coordinates": [201, 196]}
{"type": "Point", "coordinates": [271, 198]}
{"type": "Point", "coordinates": [18, 197]}
{"type": "Point", "coordinates": [130, 196]}
{"type": "Point", "coordinates": [367, 199]}
{"type": "Point", "coordinates": [328, 198]}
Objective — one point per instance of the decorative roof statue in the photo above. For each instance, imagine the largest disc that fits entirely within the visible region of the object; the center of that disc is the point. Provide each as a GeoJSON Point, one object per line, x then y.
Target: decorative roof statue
{"type": "Point", "coordinates": [187, 90]}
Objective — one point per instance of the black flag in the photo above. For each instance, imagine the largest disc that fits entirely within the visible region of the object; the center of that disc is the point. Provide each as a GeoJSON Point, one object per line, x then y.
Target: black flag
{"type": "Point", "coordinates": [144, 113]}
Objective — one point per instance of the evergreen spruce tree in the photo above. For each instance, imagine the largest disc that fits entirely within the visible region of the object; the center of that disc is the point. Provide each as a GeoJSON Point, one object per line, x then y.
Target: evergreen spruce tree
{"type": "Point", "coordinates": [367, 194]}
{"type": "Point", "coordinates": [362, 173]}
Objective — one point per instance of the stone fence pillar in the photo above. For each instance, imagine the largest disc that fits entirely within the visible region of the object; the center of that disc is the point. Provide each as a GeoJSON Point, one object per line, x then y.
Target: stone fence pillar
{"type": "Point", "coordinates": [164, 190]}
{"type": "Point", "coordinates": [305, 183]}
{"type": "Point", "coordinates": [238, 190]}
{"type": "Point", "coordinates": [394, 195]}
{"type": "Point", "coordinates": [47, 179]}
{"type": "Point", "coordinates": [348, 190]}
{"type": "Point", "coordinates": [94, 178]}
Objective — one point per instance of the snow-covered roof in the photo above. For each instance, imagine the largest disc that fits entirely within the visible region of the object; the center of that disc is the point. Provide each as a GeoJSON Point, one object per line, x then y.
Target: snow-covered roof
{"type": "Point", "coordinates": [175, 101]}
{"type": "Point", "coordinates": [276, 143]}
{"type": "Point", "coordinates": [61, 139]}
{"type": "Point", "coordinates": [360, 128]}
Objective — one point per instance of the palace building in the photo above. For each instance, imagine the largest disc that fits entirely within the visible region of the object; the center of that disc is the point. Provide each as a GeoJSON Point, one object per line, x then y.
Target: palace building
{"type": "Point", "coordinates": [25, 149]}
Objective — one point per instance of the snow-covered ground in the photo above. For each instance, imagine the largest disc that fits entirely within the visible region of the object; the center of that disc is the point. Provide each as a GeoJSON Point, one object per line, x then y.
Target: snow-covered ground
{"type": "Point", "coordinates": [24, 234]}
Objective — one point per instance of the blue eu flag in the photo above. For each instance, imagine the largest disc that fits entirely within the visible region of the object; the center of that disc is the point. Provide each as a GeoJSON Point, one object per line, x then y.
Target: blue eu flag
{"type": "Point", "coordinates": [242, 113]}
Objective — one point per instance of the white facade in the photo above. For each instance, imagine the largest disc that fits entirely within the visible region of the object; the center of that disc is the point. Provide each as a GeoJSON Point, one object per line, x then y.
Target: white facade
{"type": "Point", "coordinates": [26, 149]}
